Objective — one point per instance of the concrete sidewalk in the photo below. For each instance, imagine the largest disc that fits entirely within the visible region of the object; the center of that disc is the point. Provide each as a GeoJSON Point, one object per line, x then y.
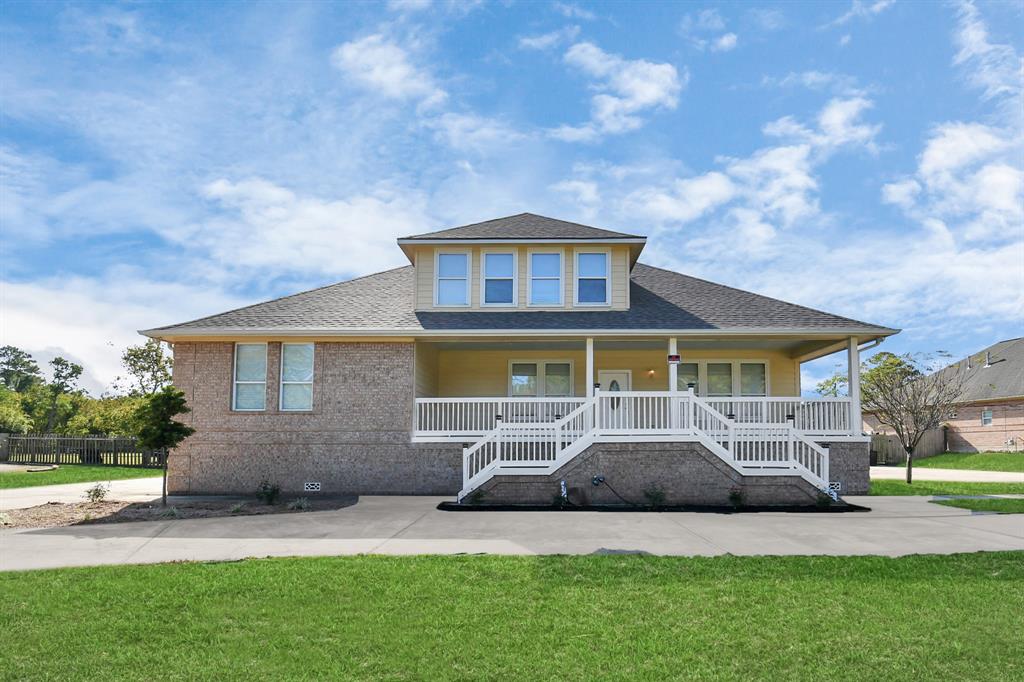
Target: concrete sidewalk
{"type": "Point", "coordinates": [413, 525]}
{"type": "Point", "coordinates": [128, 490]}
{"type": "Point", "coordinates": [962, 475]}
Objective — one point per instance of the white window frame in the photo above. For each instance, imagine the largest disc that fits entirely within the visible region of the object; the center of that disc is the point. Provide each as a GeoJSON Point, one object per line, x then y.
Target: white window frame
{"type": "Point", "coordinates": [468, 254]}
{"type": "Point", "coordinates": [576, 278]}
{"type": "Point", "coordinates": [282, 382]}
{"type": "Point", "coordinates": [702, 374]}
{"type": "Point", "coordinates": [483, 277]}
{"type": "Point", "coordinates": [542, 373]}
{"type": "Point", "coordinates": [561, 277]}
{"type": "Point", "coordinates": [235, 382]}
{"type": "Point", "coordinates": [991, 417]}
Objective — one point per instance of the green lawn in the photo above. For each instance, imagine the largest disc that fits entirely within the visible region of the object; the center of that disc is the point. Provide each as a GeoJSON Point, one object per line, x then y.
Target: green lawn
{"type": "Point", "coordinates": [72, 473]}
{"type": "Point", "coordinates": [978, 461]}
{"type": "Point", "coordinates": [1006, 505]}
{"type": "Point", "coordinates": [888, 487]}
{"type": "Point", "coordinates": [522, 618]}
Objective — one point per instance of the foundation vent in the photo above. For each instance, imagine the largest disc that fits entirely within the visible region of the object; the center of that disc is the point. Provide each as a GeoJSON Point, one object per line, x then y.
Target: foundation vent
{"type": "Point", "coordinates": [311, 486]}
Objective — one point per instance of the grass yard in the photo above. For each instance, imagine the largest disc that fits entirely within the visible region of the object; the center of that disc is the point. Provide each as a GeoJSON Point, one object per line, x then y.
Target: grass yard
{"type": "Point", "coordinates": [977, 461]}
{"type": "Point", "coordinates": [72, 473]}
{"type": "Point", "coordinates": [891, 487]}
{"type": "Point", "coordinates": [1006, 505]}
{"type": "Point", "coordinates": [522, 618]}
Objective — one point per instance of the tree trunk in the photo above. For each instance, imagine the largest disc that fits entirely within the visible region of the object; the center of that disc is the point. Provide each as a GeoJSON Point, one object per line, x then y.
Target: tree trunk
{"type": "Point", "coordinates": [910, 465]}
{"type": "Point", "coordinates": [166, 457]}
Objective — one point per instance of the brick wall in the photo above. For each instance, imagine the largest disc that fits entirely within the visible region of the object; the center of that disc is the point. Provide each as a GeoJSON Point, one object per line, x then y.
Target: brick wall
{"type": "Point", "coordinates": [355, 439]}
{"type": "Point", "coordinates": [967, 434]}
{"type": "Point", "coordinates": [685, 473]}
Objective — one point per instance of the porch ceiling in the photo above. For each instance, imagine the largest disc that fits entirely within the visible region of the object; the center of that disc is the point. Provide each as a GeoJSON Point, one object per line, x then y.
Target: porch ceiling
{"type": "Point", "coordinates": [790, 346]}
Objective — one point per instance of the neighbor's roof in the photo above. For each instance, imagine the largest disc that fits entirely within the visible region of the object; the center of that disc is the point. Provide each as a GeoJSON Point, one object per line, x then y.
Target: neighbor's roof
{"type": "Point", "coordinates": [523, 226]}
{"type": "Point", "coordinates": [659, 300]}
{"type": "Point", "coordinates": [1002, 378]}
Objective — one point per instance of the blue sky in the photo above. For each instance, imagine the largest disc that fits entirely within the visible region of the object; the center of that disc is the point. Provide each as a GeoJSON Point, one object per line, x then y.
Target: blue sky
{"type": "Point", "coordinates": [165, 161]}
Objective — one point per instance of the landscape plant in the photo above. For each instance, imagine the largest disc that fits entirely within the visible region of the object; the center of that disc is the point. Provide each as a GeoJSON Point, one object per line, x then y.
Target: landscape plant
{"type": "Point", "coordinates": [157, 428]}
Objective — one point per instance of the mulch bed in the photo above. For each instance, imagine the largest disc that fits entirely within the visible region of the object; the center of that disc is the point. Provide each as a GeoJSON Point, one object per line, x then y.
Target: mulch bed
{"type": "Point", "coordinates": [58, 514]}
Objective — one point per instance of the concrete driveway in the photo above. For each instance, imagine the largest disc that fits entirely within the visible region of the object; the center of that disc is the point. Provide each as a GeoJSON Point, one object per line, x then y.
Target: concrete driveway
{"type": "Point", "coordinates": [413, 525]}
{"type": "Point", "coordinates": [128, 490]}
{"type": "Point", "coordinates": [963, 475]}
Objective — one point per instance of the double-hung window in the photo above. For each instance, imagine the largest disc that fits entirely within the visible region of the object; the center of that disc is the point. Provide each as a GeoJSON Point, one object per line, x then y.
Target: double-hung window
{"type": "Point", "coordinates": [546, 279]}
{"type": "Point", "coordinates": [986, 417]}
{"type": "Point", "coordinates": [688, 373]}
{"type": "Point", "coordinates": [724, 379]}
{"type": "Point", "coordinates": [592, 287]}
{"type": "Point", "coordinates": [499, 279]}
{"type": "Point", "coordinates": [249, 390]}
{"type": "Point", "coordinates": [296, 377]}
{"type": "Point", "coordinates": [753, 381]}
{"type": "Point", "coordinates": [545, 378]}
{"type": "Point", "coordinates": [452, 285]}
{"type": "Point", "coordinates": [719, 379]}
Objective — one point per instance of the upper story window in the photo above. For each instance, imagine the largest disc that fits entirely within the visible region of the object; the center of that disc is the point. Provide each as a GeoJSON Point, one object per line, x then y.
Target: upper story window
{"type": "Point", "coordinates": [499, 279]}
{"type": "Point", "coordinates": [592, 278]}
{"type": "Point", "coordinates": [452, 285]}
{"type": "Point", "coordinates": [986, 417]}
{"type": "Point", "coordinates": [249, 389]}
{"type": "Point", "coordinates": [296, 376]}
{"type": "Point", "coordinates": [546, 279]}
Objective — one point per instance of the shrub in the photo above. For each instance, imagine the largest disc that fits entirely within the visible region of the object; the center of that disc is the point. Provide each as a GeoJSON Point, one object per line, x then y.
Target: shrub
{"type": "Point", "coordinates": [824, 500]}
{"type": "Point", "coordinates": [299, 503]}
{"type": "Point", "coordinates": [736, 497]}
{"type": "Point", "coordinates": [97, 493]}
{"type": "Point", "coordinates": [171, 513]}
{"type": "Point", "coordinates": [655, 497]}
{"type": "Point", "coordinates": [5, 519]}
{"type": "Point", "coordinates": [268, 492]}
{"type": "Point", "coordinates": [237, 507]}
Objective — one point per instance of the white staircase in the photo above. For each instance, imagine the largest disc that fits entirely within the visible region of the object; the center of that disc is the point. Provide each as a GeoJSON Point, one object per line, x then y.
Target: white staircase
{"type": "Point", "coordinates": [542, 447]}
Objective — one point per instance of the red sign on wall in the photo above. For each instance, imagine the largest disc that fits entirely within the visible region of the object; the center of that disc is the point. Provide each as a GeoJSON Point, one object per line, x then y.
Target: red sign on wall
{"type": "Point", "coordinates": [673, 359]}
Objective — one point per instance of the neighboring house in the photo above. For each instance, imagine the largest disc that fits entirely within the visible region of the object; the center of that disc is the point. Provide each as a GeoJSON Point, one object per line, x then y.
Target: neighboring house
{"type": "Point", "coordinates": [510, 356]}
{"type": "Point", "coordinates": [990, 415]}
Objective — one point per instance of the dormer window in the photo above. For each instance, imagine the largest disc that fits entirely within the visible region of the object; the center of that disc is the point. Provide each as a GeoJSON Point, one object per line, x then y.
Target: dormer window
{"type": "Point", "coordinates": [499, 279]}
{"type": "Point", "coordinates": [592, 278]}
{"type": "Point", "coordinates": [546, 279]}
{"type": "Point", "coordinates": [452, 285]}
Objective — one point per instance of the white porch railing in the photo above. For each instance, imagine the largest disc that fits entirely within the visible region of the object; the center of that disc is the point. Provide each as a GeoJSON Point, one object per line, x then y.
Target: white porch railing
{"type": "Point", "coordinates": [646, 411]}
{"type": "Point", "coordinates": [462, 417]}
{"type": "Point", "coordinates": [753, 448]}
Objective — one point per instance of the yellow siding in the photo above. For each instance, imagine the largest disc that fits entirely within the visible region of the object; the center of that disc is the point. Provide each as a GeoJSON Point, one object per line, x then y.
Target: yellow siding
{"type": "Point", "coordinates": [426, 371]}
{"type": "Point", "coordinates": [476, 373]}
{"type": "Point", "coordinates": [424, 261]}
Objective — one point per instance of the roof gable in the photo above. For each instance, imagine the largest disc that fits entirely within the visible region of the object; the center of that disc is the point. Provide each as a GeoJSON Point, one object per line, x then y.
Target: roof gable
{"type": "Point", "coordinates": [1002, 377]}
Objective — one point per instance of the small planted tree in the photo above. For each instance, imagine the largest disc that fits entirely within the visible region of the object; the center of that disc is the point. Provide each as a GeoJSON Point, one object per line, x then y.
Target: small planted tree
{"type": "Point", "coordinates": [157, 428]}
{"type": "Point", "coordinates": [907, 395]}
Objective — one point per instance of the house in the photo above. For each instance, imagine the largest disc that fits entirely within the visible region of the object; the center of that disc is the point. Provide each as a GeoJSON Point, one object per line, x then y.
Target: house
{"type": "Point", "coordinates": [514, 360]}
{"type": "Point", "coordinates": [990, 414]}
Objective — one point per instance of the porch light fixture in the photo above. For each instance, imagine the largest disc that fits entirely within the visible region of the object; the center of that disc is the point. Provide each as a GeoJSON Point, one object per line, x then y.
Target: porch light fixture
{"type": "Point", "coordinates": [650, 373]}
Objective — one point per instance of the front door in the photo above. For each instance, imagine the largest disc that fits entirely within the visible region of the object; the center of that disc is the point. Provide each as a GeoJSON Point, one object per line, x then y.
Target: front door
{"type": "Point", "coordinates": [614, 412]}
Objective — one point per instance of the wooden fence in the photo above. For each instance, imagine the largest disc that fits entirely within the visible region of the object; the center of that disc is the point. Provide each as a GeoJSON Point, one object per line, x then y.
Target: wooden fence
{"type": "Point", "coordinates": [97, 450]}
{"type": "Point", "coordinates": [888, 450]}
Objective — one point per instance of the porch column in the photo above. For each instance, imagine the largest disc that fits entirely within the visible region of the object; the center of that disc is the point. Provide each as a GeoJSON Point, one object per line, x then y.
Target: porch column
{"type": "Point", "coordinates": [853, 372]}
{"type": "Point", "coordinates": [673, 369]}
{"type": "Point", "coordinates": [590, 367]}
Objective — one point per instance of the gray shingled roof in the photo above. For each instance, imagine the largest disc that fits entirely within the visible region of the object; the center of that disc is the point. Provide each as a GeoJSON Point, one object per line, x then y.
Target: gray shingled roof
{"type": "Point", "coordinates": [1002, 378]}
{"type": "Point", "coordinates": [660, 299]}
{"type": "Point", "coordinates": [523, 226]}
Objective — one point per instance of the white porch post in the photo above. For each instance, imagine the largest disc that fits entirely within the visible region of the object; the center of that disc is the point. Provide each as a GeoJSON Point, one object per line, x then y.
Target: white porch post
{"type": "Point", "coordinates": [673, 387]}
{"type": "Point", "coordinates": [590, 367]}
{"type": "Point", "coordinates": [853, 372]}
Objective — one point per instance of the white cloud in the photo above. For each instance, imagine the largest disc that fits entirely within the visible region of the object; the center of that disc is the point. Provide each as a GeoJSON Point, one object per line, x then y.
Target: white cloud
{"type": "Point", "coordinates": [955, 145]}
{"type": "Point", "coordinates": [408, 5]}
{"type": "Point", "coordinates": [844, 40]}
{"type": "Point", "coordinates": [382, 66]}
{"type": "Point", "coordinates": [839, 83]}
{"type": "Point", "coordinates": [901, 193]}
{"type": "Point", "coordinates": [994, 68]}
{"type": "Point", "coordinates": [724, 43]}
{"type": "Point", "coordinates": [264, 225]}
{"type": "Point", "coordinates": [107, 30]}
{"type": "Point", "coordinates": [839, 124]}
{"type": "Point", "coordinates": [573, 11]}
{"type": "Point", "coordinates": [767, 19]}
{"type": "Point", "coordinates": [469, 132]}
{"type": "Point", "coordinates": [547, 41]}
{"type": "Point", "coordinates": [685, 200]}
{"type": "Point", "coordinates": [90, 320]}
{"type": "Point", "coordinates": [625, 88]}
{"type": "Point", "coordinates": [862, 10]}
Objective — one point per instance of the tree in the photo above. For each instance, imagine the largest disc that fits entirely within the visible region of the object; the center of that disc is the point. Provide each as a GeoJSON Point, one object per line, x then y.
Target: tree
{"type": "Point", "coordinates": [65, 380]}
{"type": "Point", "coordinates": [158, 430]}
{"type": "Point", "coordinates": [18, 371]}
{"type": "Point", "coordinates": [148, 366]}
{"type": "Point", "coordinates": [905, 393]}
{"type": "Point", "coordinates": [109, 416]}
{"type": "Point", "coordinates": [12, 416]}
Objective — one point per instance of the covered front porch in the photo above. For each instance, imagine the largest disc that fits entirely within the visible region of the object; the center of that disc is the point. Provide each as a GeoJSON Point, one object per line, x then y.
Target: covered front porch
{"type": "Point", "coordinates": [465, 388]}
